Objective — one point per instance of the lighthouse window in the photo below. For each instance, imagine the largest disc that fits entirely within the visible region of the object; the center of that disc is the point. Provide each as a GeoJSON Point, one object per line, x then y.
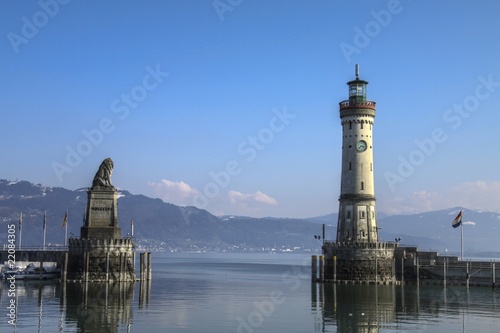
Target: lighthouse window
{"type": "Point", "coordinates": [349, 165]}
{"type": "Point", "coordinates": [371, 166]}
{"type": "Point", "coordinates": [350, 125]}
{"type": "Point", "coordinates": [362, 185]}
{"type": "Point", "coordinates": [348, 214]}
{"type": "Point", "coordinates": [361, 125]}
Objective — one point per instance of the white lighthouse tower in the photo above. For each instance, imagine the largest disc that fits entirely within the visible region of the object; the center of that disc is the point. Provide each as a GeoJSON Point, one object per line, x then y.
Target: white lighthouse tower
{"type": "Point", "coordinates": [357, 254]}
{"type": "Point", "coordinates": [357, 220]}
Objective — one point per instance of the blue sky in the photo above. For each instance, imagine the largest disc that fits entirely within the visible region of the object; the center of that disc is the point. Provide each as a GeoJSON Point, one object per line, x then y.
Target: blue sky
{"type": "Point", "coordinates": [233, 105]}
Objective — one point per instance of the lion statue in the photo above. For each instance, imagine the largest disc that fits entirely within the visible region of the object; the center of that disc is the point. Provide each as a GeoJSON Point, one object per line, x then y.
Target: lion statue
{"type": "Point", "coordinates": [103, 175]}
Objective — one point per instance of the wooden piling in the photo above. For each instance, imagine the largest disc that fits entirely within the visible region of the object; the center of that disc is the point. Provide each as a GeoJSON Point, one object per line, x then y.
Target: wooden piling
{"type": "Point", "coordinates": [334, 269]}
{"type": "Point", "coordinates": [493, 274]}
{"type": "Point", "coordinates": [133, 260]}
{"type": "Point", "coordinates": [321, 268]}
{"type": "Point", "coordinates": [444, 272]}
{"type": "Point", "coordinates": [149, 267]}
{"type": "Point", "coordinates": [467, 275]}
{"type": "Point", "coordinates": [142, 276]}
{"type": "Point", "coordinates": [314, 268]}
{"type": "Point", "coordinates": [403, 269]}
{"type": "Point", "coordinates": [64, 271]}
{"type": "Point", "coordinates": [418, 272]}
{"type": "Point", "coordinates": [123, 265]}
{"type": "Point", "coordinates": [107, 266]}
{"type": "Point", "coordinates": [393, 269]}
{"type": "Point", "coordinates": [86, 262]}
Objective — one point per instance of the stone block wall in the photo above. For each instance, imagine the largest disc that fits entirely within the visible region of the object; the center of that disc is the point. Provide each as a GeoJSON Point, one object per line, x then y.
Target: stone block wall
{"type": "Point", "coordinates": [119, 251]}
{"type": "Point", "coordinates": [359, 261]}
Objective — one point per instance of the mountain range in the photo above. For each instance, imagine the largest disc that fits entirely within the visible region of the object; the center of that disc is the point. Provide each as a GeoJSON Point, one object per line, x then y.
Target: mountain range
{"type": "Point", "coordinates": [163, 226]}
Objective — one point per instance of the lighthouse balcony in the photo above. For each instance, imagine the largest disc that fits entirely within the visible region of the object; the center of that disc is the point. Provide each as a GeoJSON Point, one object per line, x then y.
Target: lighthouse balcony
{"type": "Point", "coordinates": [357, 105]}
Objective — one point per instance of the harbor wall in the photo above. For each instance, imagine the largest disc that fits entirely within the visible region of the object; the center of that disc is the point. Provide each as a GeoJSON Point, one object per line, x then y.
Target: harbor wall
{"type": "Point", "coordinates": [390, 263]}
{"type": "Point", "coordinates": [428, 267]}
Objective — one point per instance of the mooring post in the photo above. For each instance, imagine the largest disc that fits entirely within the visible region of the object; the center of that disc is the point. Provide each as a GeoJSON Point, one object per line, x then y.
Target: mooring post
{"type": "Point", "coordinates": [149, 267]}
{"type": "Point", "coordinates": [418, 273]}
{"type": "Point", "coordinates": [334, 269]}
{"type": "Point", "coordinates": [64, 273]}
{"type": "Point", "coordinates": [86, 258]}
{"type": "Point", "coordinates": [123, 266]}
{"type": "Point", "coordinates": [403, 269]}
{"type": "Point", "coordinates": [107, 266]}
{"type": "Point", "coordinates": [133, 259]}
{"type": "Point", "coordinates": [467, 275]}
{"type": "Point", "coordinates": [314, 268]}
{"type": "Point", "coordinates": [321, 268]}
{"type": "Point", "coordinates": [141, 266]}
{"type": "Point", "coordinates": [144, 265]}
{"type": "Point", "coordinates": [120, 268]}
{"type": "Point", "coordinates": [41, 264]}
{"type": "Point", "coordinates": [444, 272]}
{"type": "Point", "coordinates": [493, 274]}
{"type": "Point", "coordinates": [393, 270]}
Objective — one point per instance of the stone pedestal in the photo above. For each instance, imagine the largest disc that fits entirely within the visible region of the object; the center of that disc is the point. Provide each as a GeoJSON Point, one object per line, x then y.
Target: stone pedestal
{"type": "Point", "coordinates": [101, 260]}
{"type": "Point", "coordinates": [363, 262]}
{"type": "Point", "coordinates": [101, 221]}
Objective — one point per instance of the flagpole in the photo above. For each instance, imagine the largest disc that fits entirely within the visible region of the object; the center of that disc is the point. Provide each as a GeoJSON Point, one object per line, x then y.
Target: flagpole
{"type": "Point", "coordinates": [462, 239]}
{"type": "Point", "coordinates": [66, 232]}
{"type": "Point", "coordinates": [20, 229]}
{"type": "Point", "coordinates": [44, 227]}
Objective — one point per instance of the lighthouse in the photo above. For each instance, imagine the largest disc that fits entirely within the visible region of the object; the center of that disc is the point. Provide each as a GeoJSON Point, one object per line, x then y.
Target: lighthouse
{"type": "Point", "coordinates": [357, 219]}
{"type": "Point", "coordinates": [357, 254]}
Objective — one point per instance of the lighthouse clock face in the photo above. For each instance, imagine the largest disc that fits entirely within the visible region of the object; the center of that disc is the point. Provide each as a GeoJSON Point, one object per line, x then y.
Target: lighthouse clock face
{"type": "Point", "coordinates": [361, 146]}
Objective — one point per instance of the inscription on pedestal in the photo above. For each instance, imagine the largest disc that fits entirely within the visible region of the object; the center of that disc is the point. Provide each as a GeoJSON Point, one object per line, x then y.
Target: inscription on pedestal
{"type": "Point", "coordinates": [102, 218]}
{"type": "Point", "coordinates": [102, 208]}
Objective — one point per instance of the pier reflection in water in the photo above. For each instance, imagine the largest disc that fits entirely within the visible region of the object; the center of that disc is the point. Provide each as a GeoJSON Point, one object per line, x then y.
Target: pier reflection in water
{"type": "Point", "coordinates": [91, 307]}
{"type": "Point", "coordinates": [98, 307]}
{"type": "Point", "coordinates": [381, 308]}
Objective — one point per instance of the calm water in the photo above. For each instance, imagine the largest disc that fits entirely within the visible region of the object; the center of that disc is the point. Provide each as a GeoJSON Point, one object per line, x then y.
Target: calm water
{"type": "Point", "coordinates": [246, 293]}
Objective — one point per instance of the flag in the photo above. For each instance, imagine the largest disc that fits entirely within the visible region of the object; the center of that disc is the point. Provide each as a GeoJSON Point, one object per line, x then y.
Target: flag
{"type": "Point", "coordinates": [457, 221]}
{"type": "Point", "coordinates": [21, 221]}
{"type": "Point", "coordinates": [65, 222]}
{"type": "Point", "coordinates": [44, 220]}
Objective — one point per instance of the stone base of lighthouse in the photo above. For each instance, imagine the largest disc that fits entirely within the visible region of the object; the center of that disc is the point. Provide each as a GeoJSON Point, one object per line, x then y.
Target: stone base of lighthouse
{"type": "Point", "coordinates": [101, 260]}
{"type": "Point", "coordinates": [359, 262]}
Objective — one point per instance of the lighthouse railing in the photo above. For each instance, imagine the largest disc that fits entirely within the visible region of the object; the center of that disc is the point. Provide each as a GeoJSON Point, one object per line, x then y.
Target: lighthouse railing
{"type": "Point", "coordinates": [366, 105]}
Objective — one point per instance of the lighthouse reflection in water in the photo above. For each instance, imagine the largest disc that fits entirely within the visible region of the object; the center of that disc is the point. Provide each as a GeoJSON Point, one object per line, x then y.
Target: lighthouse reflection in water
{"type": "Point", "coordinates": [388, 308]}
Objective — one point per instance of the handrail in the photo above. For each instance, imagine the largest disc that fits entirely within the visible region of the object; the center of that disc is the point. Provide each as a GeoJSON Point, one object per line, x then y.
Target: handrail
{"type": "Point", "coordinates": [357, 105]}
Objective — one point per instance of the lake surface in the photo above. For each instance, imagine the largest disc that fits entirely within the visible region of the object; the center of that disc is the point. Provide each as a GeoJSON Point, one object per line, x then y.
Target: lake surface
{"type": "Point", "coordinates": [202, 292]}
